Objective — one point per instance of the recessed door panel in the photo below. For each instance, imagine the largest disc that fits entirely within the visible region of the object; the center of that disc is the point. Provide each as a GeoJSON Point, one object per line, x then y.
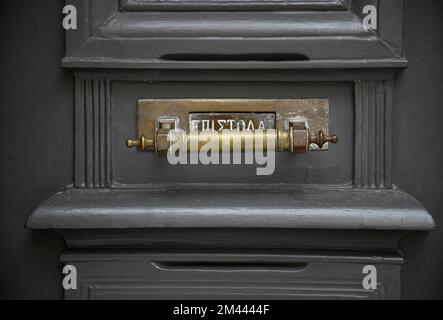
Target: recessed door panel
{"type": "Point", "coordinates": [332, 167]}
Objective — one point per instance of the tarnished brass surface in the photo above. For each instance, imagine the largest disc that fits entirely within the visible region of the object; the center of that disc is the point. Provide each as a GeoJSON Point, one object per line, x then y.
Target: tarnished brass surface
{"type": "Point", "coordinates": [142, 143]}
{"type": "Point", "coordinates": [321, 138]}
{"type": "Point", "coordinates": [233, 122]}
{"type": "Point", "coordinates": [229, 139]}
{"type": "Point", "coordinates": [295, 139]}
{"type": "Point", "coordinates": [315, 112]}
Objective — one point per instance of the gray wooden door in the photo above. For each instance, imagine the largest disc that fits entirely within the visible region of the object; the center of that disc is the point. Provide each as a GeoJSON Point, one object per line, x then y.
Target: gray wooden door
{"type": "Point", "coordinates": [135, 226]}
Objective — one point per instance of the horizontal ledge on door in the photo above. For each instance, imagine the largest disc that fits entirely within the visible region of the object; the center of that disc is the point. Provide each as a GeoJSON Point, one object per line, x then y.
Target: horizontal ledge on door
{"type": "Point", "coordinates": [351, 209]}
{"type": "Point", "coordinates": [197, 24]}
{"type": "Point", "coordinates": [230, 5]}
{"type": "Point", "coordinates": [110, 63]}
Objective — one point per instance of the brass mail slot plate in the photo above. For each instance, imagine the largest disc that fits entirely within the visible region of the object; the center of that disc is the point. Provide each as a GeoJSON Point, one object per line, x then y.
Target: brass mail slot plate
{"type": "Point", "coordinates": [193, 114]}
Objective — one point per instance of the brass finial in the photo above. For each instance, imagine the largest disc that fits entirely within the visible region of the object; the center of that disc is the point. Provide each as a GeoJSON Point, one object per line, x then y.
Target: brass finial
{"type": "Point", "coordinates": [142, 143]}
{"type": "Point", "coordinates": [321, 138]}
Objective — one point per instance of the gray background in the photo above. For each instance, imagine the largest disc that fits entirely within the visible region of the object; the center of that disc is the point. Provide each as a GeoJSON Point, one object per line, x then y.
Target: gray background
{"type": "Point", "coordinates": [37, 133]}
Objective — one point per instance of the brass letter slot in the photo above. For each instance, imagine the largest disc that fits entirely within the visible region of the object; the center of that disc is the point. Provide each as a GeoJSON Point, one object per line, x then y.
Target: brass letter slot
{"type": "Point", "coordinates": [294, 125]}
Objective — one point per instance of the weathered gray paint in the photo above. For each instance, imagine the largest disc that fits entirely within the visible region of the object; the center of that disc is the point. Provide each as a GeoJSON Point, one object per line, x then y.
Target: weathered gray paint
{"type": "Point", "coordinates": [231, 5]}
{"type": "Point", "coordinates": [36, 95]}
{"type": "Point", "coordinates": [103, 121]}
{"type": "Point", "coordinates": [416, 165]}
{"type": "Point", "coordinates": [234, 275]}
{"type": "Point", "coordinates": [322, 34]}
{"type": "Point", "coordinates": [206, 239]}
{"type": "Point", "coordinates": [231, 207]}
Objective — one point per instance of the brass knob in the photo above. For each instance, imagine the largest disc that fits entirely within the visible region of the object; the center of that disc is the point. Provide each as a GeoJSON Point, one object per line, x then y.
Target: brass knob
{"type": "Point", "coordinates": [142, 143]}
{"type": "Point", "coordinates": [321, 138]}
